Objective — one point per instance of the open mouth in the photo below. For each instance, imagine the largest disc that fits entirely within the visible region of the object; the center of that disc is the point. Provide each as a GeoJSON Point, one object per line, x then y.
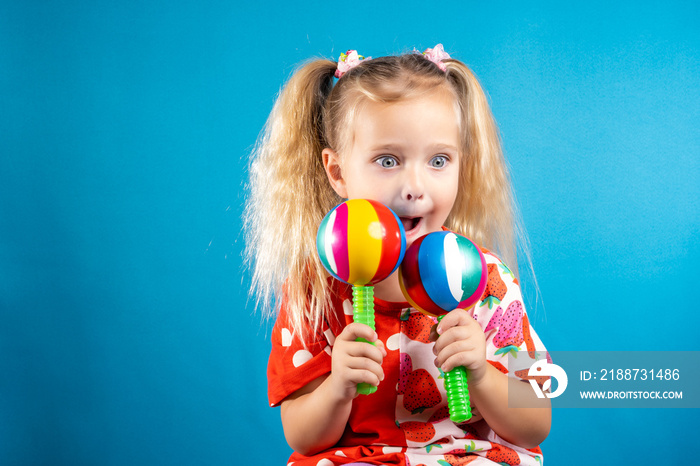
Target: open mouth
{"type": "Point", "coordinates": [410, 224]}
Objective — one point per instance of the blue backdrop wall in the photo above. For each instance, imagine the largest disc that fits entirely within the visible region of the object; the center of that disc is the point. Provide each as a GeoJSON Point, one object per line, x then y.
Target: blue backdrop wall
{"type": "Point", "coordinates": [125, 332]}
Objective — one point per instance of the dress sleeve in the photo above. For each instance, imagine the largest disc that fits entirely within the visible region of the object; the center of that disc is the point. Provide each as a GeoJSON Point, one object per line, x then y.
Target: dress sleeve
{"type": "Point", "coordinates": [511, 342]}
{"type": "Point", "coordinates": [292, 364]}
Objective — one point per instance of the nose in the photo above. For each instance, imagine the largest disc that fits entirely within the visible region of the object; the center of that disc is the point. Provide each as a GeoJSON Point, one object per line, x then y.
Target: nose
{"type": "Point", "coordinates": [413, 186]}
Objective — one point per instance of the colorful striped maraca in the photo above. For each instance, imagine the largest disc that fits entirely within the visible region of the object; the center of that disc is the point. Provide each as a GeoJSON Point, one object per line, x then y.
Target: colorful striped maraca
{"type": "Point", "coordinates": [361, 242]}
{"type": "Point", "coordinates": [443, 271]}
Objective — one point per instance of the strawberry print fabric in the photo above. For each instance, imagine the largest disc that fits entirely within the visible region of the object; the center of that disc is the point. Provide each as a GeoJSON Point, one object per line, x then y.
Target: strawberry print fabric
{"type": "Point", "coordinates": [406, 422]}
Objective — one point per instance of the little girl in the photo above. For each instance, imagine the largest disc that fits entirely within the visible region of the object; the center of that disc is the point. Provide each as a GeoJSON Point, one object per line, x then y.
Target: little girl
{"type": "Point", "coordinates": [414, 132]}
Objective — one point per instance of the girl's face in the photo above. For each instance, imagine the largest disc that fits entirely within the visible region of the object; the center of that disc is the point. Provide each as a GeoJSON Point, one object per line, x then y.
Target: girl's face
{"type": "Point", "coordinates": [404, 155]}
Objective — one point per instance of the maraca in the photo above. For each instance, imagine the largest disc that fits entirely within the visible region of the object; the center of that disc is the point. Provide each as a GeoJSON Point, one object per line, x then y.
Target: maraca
{"type": "Point", "coordinates": [361, 242]}
{"type": "Point", "coordinates": [444, 271]}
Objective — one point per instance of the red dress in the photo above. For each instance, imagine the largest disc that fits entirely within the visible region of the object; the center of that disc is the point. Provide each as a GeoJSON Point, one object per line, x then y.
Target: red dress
{"type": "Point", "coordinates": [406, 421]}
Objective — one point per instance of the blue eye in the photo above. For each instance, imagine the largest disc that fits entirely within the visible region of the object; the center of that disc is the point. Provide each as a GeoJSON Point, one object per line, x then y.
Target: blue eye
{"type": "Point", "coordinates": [439, 161]}
{"type": "Point", "coordinates": [386, 161]}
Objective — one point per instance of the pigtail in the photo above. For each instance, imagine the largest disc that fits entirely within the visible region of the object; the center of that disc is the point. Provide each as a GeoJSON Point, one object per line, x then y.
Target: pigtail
{"type": "Point", "coordinates": [486, 211]}
{"type": "Point", "coordinates": [289, 195]}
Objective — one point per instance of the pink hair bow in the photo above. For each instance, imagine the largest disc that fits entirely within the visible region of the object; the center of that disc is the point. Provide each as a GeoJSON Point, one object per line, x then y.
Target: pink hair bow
{"type": "Point", "coordinates": [348, 61]}
{"type": "Point", "coordinates": [436, 55]}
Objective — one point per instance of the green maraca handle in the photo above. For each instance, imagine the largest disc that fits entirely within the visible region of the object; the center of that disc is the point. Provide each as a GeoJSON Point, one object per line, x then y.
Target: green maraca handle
{"type": "Point", "coordinates": [363, 313]}
{"type": "Point", "coordinates": [457, 393]}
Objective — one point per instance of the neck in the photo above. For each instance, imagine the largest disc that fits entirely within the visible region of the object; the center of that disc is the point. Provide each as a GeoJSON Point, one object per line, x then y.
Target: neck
{"type": "Point", "coordinates": [389, 289]}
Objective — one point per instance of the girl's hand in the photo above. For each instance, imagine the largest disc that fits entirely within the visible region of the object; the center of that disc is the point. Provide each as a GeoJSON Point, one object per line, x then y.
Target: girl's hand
{"type": "Point", "coordinates": [356, 361]}
{"type": "Point", "coordinates": [460, 341]}
{"type": "Point", "coordinates": [315, 416]}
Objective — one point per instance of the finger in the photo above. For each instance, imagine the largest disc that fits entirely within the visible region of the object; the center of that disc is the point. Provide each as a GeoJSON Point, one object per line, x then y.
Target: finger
{"type": "Point", "coordinates": [470, 354]}
{"type": "Point", "coordinates": [360, 349]}
{"type": "Point", "coordinates": [451, 336]}
{"type": "Point", "coordinates": [380, 345]}
{"type": "Point", "coordinates": [366, 364]}
{"type": "Point", "coordinates": [350, 368]}
{"type": "Point", "coordinates": [360, 365]}
{"type": "Point", "coordinates": [454, 318]}
{"type": "Point", "coordinates": [464, 359]}
{"type": "Point", "coordinates": [462, 350]}
{"type": "Point", "coordinates": [357, 376]}
{"type": "Point", "coordinates": [355, 330]}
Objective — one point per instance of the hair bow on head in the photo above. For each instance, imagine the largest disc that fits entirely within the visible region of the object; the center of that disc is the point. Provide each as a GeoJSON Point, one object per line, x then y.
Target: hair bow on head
{"type": "Point", "coordinates": [348, 61]}
{"type": "Point", "coordinates": [436, 55]}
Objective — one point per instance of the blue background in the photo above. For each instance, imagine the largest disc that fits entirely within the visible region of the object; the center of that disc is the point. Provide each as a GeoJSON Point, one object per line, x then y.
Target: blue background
{"type": "Point", "coordinates": [125, 332]}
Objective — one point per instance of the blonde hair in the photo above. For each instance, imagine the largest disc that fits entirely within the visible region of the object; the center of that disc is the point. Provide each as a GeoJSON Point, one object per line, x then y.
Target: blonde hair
{"type": "Point", "coordinates": [290, 192]}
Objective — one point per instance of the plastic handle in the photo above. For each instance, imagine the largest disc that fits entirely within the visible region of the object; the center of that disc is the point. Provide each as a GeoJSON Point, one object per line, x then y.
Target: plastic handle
{"type": "Point", "coordinates": [363, 313]}
{"type": "Point", "coordinates": [457, 393]}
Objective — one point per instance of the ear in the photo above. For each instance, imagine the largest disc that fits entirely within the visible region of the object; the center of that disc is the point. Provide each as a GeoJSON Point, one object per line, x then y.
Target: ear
{"type": "Point", "coordinates": [331, 162]}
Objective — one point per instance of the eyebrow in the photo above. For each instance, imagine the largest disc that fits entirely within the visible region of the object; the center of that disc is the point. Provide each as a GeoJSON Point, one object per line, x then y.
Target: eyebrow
{"type": "Point", "coordinates": [398, 146]}
{"type": "Point", "coordinates": [446, 146]}
{"type": "Point", "coordinates": [389, 147]}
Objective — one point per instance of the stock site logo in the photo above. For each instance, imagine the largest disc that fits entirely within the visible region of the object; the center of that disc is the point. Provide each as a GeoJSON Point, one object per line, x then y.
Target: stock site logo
{"type": "Point", "coordinates": [543, 368]}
